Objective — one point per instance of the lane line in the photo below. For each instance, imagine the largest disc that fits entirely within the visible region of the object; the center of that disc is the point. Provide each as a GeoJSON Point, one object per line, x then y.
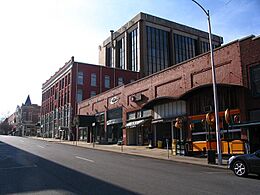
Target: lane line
{"type": "Point", "coordinates": [85, 159]}
{"type": "Point", "coordinates": [20, 167]}
{"type": "Point", "coordinates": [40, 146]}
{"type": "Point", "coordinates": [21, 141]}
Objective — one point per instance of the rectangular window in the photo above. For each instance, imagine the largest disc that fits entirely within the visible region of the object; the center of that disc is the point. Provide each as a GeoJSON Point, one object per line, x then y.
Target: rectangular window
{"type": "Point", "coordinates": [107, 81]}
{"type": "Point", "coordinates": [109, 57]}
{"type": "Point", "coordinates": [93, 93]}
{"type": "Point", "coordinates": [68, 79]}
{"type": "Point", "coordinates": [80, 78]}
{"type": "Point", "coordinates": [93, 80]}
{"type": "Point", "coordinates": [120, 81]}
{"type": "Point", "coordinates": [157, 49]}
{"type": "Point", "coordinates": [133, 48]}
{"type": "Point", "coordinates": [184, 48]}
{"type": "Point", "coordinates": [255, 80]}
{"type": "Point", "coordinates": [79, 95]}
{"type": "Point", "coordinates": [121, 53]}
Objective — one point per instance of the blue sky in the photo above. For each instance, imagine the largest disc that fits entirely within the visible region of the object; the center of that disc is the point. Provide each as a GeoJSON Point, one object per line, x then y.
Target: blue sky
{"type": "Point", "coordinates": [38, 36]}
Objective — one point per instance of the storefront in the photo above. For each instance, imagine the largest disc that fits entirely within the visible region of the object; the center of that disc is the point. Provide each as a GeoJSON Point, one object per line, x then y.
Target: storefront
{"type": "Point", "coordinates": [203, 135]}
{"type": "Point", "coordinates": [84, 127]}
{"type": "Point", "coordinates": [114, 125]}
{"type": "Point", "coordinates": [138, 127]}
{"type": "Point", "coordinates": [99, 128]}
{"type": "Point", "coordinates": [163, 123]}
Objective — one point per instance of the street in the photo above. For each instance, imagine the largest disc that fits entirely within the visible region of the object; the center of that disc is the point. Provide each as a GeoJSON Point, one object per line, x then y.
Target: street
{"type": "Point", "coordinates": [32, 166]}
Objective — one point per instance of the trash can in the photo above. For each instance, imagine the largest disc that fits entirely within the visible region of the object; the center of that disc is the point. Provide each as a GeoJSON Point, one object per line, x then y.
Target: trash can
{"type": "Point", "coordinates": [211, 156]}
{"type": "Point", "coordinates": [159, 143]}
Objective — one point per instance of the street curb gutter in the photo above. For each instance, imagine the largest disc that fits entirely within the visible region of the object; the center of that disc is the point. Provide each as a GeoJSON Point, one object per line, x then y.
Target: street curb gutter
{"type": "Point", "coordinates": [223, 167]}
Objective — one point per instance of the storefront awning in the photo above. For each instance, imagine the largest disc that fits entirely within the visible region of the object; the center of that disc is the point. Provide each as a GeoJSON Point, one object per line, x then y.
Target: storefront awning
{"type": "Point", "coordinates": [114, 121]}
{"type": "Point", "coordinates": [134, 124]}
{"type": "Point", "coordinates": [247, 124]}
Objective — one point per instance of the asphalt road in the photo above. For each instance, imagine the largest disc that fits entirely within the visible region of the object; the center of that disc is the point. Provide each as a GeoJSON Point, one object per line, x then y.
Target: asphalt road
{"type": "Point", "coordinates": [32, 166]}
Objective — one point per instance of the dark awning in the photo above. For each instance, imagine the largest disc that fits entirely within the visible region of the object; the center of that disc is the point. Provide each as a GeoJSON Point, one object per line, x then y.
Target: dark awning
{"type": "Point", "coordinates": [84, 121]}
{"type": "Point", "coordinates": [246, 124]}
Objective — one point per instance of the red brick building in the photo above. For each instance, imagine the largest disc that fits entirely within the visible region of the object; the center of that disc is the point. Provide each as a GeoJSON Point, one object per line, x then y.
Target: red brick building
{"type": "Point", "coordinates": [74, 82]}
{"type": "Point", "coordinates": [146, 110]}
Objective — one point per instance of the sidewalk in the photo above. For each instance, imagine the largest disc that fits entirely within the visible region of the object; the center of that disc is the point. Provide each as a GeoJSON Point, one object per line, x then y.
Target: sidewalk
{"type": "Point", "coordinates": [139, 151]}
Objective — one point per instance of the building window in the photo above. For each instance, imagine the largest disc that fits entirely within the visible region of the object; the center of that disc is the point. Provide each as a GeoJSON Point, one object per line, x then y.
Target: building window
{"type": "Point", "coordinates": [133, 48]}
{"type": "Point", "coordinates": [79, 95]}
{"type": "Point", "coordinates": [121, 53]}
{"type": "Point", "coordinates": [157, 49]}
{"type": "Point", "coordinates": [93, 80]}
{"type": "Point", "coordinates": [120, 81]}
{"type": "Point", "coordinates": [93, 93]}
{"type": "Point", "coordinates": [68, 79]}
{"type": "Point", "coordinates": [80, 78]}
{"type": "Point", "coordinates": [255, 80]}
{"type": "Point", "coordinates": [185, 48]}
{"type": "Point", "coordinates": [109, 57]}
{"type": "Point", "coordinates": [107, 81]}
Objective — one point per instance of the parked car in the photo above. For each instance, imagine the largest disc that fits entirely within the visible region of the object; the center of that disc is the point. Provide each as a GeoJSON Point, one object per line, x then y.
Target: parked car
{"type": "Point", "coordinates": [241, 165]}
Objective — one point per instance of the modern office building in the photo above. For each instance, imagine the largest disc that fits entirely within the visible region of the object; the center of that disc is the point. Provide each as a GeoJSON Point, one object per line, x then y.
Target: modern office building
{"type": "Point", "coordinates": [146, 111]}
{"type": "Point", "coordinates": [74, 82]}
{"type": "Point", "coordinates": [148, 44]}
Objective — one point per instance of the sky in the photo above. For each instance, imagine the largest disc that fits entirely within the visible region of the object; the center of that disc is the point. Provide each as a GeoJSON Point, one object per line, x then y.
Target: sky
{"type": "Point", "coordinates": [37, 37]}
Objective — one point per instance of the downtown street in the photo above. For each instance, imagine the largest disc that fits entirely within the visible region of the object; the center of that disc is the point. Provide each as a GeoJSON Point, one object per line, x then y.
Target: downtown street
{"type": "Point", "coordinates": [30, 166]}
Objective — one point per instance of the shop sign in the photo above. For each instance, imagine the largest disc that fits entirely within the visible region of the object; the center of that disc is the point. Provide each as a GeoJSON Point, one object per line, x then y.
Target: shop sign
{"type": "Point", "coordinates": [114, 100]}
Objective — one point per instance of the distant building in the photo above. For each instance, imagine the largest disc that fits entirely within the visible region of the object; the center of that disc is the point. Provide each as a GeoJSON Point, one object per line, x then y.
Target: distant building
{"type": "Point", "coordinates": [74, 82]}
{"type": "Point", "coordinates": [25, 119]}
{"type": "Point", "coordinates": [148, 44]}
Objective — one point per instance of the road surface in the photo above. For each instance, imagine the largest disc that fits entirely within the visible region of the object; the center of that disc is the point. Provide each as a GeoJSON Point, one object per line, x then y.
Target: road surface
{"type": "Point", "coordinates": [31, 166]}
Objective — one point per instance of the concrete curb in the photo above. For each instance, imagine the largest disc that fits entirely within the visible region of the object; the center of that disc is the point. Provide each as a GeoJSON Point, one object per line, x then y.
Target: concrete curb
{"type": "Point", "coordinates": [224, 167]}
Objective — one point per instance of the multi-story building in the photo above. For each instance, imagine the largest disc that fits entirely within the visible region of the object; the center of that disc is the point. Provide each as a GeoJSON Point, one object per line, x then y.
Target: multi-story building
{"type": "Point", "coordinates": [148, 44]}
{"type": "Point", "coordinates": [26, 118]}
{"type": "Point", "coordinates": [145, 111]}
{"type": "Point", "coordinates": [74, 82]}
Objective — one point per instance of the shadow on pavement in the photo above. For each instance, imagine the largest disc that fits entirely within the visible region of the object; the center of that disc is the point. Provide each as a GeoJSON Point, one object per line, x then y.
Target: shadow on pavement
{"type": "Point", "coordinates": [23, 172]}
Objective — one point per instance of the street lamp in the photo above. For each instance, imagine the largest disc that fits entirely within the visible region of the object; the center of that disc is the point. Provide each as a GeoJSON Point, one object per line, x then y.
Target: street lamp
{"type": "Point", "coordinates": [214, 87]}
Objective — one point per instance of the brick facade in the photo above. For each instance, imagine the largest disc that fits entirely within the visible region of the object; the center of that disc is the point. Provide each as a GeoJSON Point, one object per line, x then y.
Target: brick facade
{"type": "Point", "coordinates": [59, 93]}
{"type": "Point", "coordinates": [183, 81]}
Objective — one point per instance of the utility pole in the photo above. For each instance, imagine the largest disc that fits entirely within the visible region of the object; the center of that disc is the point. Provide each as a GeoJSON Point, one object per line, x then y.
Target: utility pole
{"type": "Point", "coordinates": [214, 87]}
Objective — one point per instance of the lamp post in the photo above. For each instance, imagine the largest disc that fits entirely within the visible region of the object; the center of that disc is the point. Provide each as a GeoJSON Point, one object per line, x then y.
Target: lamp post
{"type": "Point", "coordinates": [214, 87]}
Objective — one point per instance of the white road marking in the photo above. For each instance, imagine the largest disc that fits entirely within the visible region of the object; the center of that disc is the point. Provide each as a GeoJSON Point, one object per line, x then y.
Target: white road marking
{"type": "Point", "coordinates": [40, 146]}
{"type": "Point", "coordinates": [85, 159]}
{"type": "Point", "coordinates": [21, 141]}
{"type": "Point", "coordinates": [20, 167]}
{"type": "Point", "coordinates": [213, 172]}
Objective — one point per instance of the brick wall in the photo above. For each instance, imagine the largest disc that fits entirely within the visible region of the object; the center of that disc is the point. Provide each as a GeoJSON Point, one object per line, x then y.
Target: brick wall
{"type": "Point", "coordinates": [174, 81]}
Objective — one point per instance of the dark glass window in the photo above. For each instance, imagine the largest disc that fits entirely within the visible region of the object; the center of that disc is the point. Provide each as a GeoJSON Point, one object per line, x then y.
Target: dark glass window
{"type": "Point", "coordinates": [255, 80]}
{"type": "Point", "coordinates": [79, 95]}
{"type": "Point", "coordinates": [120, 81]}
{"type": "Point", "coordinates": [93, 80]}
{"type": "Point", "coordinates": [157, 49]}
{"type": "Point", "coordinates": [133, 47]}
{"type": "Point", "coordinates": [184, 48]}
{"type": "Point", "coordinates": [107, 81]}
{"type": "Point", "coordinates": [121, 53]}
{"type": "Point", "coordinates": [80, 78]}
{"type": "Point", "coordinates": [109, 57]}
{"type": "Point", "coordinates": [93, 93]}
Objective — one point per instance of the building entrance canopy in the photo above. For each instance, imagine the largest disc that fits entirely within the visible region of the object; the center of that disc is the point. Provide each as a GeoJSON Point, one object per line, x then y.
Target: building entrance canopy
{"type": "Point", "coordinates": [134, 124]}
{"type": "Point", "coordinates": [114, 121]}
